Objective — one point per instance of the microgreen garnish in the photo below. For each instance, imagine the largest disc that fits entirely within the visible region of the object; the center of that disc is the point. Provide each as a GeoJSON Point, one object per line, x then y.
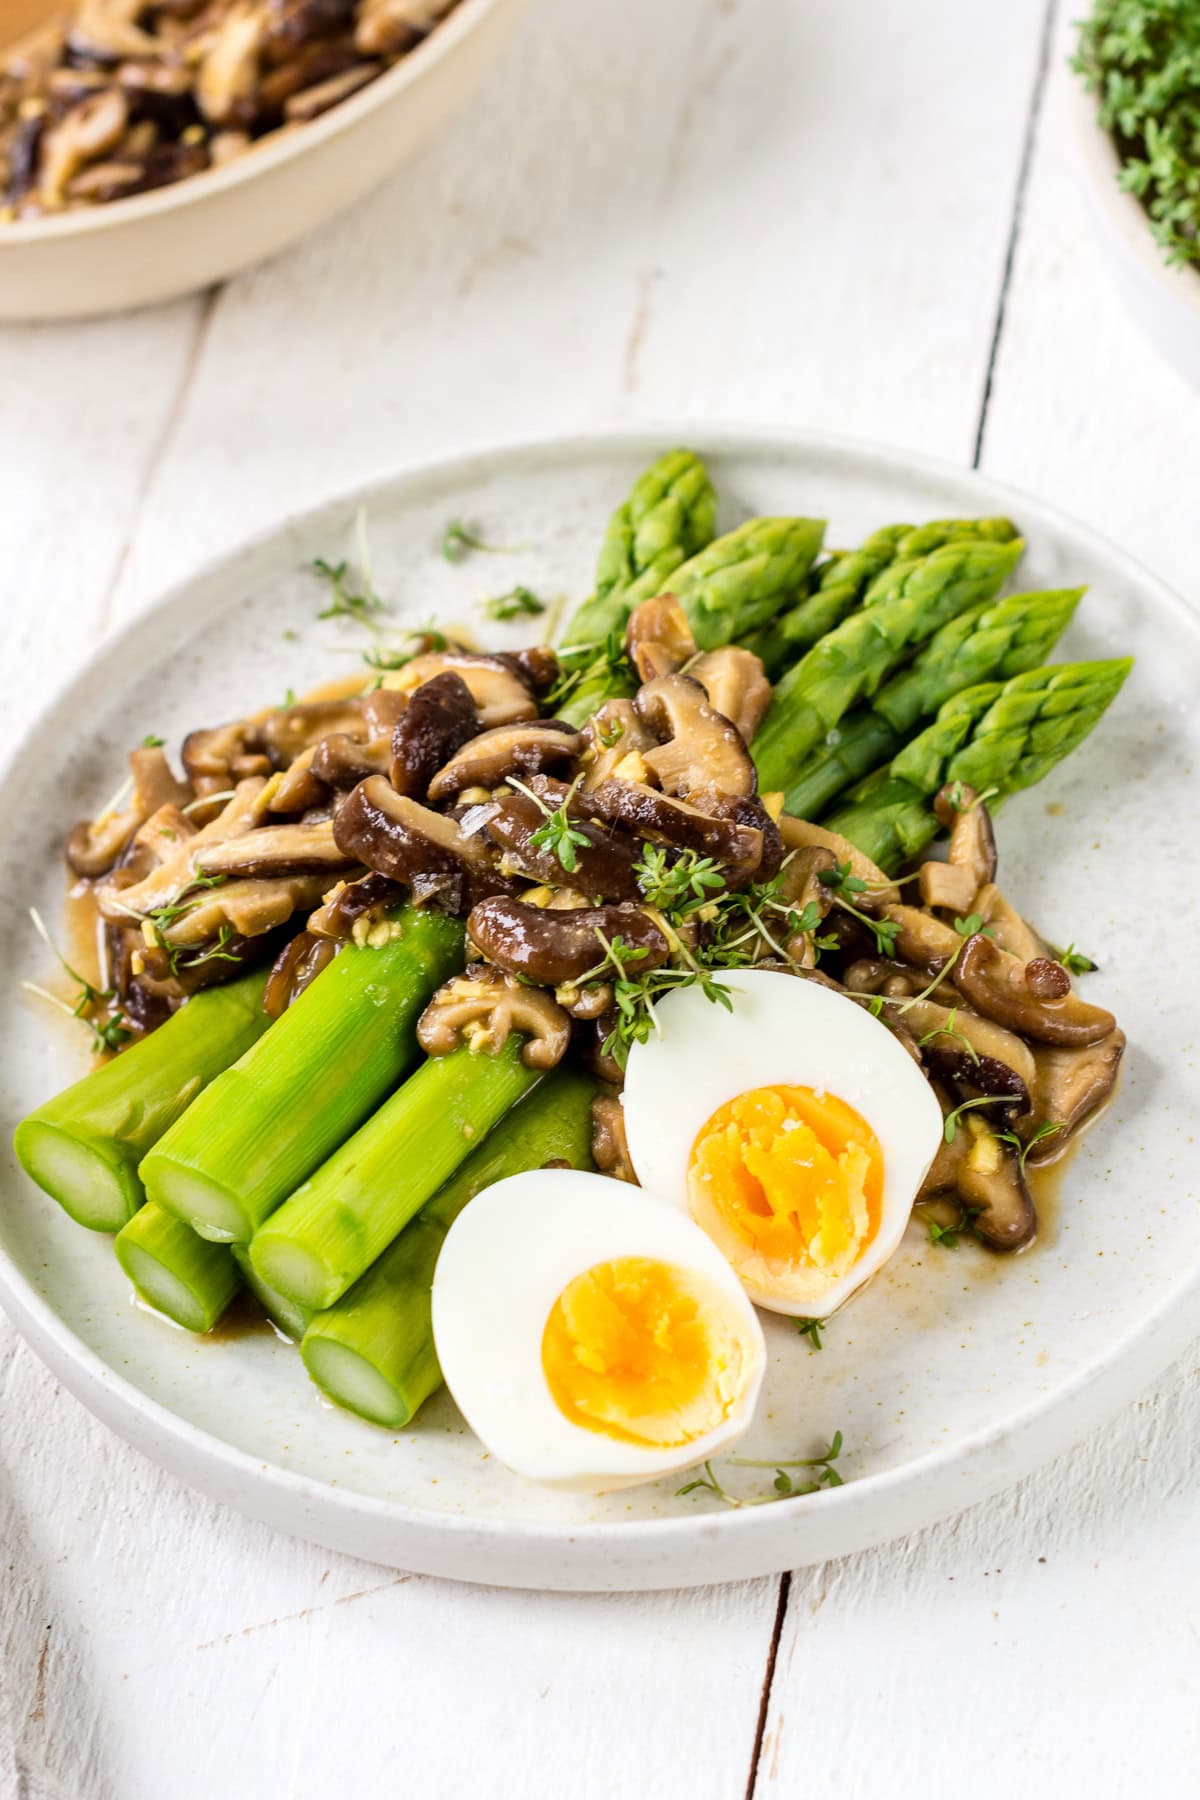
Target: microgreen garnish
{"type": "Point", "coordinates": [343, 604]}
{"type": "Point", "coordinates": [1046, 1129]}
{"type": "Point", "coordinates": [948, 1237]}
{"type": "Point", "coordinates": [108, 1032]}
{"type": "Point", "coordinates": [1074, 961]}
{"type": "Point", "coordinates": [812, 1329]}
{"type": "Point", "coordinates": [608, 735]}
{"type": "Point", "coordinates": [289, 700]}
{"type": "Point", "coordinates": [958, 799]}
{"type": "Point", "coordinates": [458, 541]}
{"type": "Point", "coordinates": [947, 1031]}
{"type": "Point", "coordinates": [422, 640]}
{"type": "Point", "coordinates": [152, 741]}
{"type": "Point", "coordinates": [519, 603]}
{"type": "Point", "coordinates": [784, 1487]}
{"type": "Point", "coordinates": [607, 667]}
{"type": "Point", "coordinates": [557, 835]}
{"type": "Point", "coordinates": [950, 1126]}
{"type": "Point", "coordinates": [677, 887]}
{"type": "Point", "coordinates": [844, 883]}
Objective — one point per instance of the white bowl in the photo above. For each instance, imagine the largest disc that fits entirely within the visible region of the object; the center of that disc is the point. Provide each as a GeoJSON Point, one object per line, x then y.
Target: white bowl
{"type": "Point", "coordinates": [1164, 301]}
{"type": "Point", "coordinates": [953, 1373]}
{"type": "Point", "coordinates": [207, 227]}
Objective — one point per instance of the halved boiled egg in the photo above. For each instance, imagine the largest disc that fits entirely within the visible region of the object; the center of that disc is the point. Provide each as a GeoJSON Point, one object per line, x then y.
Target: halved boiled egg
{"type": "Point", "coordinates": [796, 1130]}
{"type": "Point", "coordinates": [592, 1336]}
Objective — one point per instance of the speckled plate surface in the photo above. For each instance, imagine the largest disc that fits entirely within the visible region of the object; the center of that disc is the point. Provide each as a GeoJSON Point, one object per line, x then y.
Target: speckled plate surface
{"type": "Point", "coordinates": [956, 1372]}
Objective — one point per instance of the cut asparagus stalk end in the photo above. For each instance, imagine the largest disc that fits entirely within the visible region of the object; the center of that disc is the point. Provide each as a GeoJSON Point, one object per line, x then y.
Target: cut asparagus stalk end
{"type": "Point", "coordinates": [174, 1271]}
{"type": "Point", "coordinates": [92, 1180]}
{"type": "Point", "coordinates": [355, 1383]}
{"type": "Point", "coordinates": [212, 1211]}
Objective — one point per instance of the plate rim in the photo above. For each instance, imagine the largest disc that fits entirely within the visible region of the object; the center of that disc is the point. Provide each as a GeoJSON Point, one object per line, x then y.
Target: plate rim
{"type": "Point", "coordinates": [923, 1488]}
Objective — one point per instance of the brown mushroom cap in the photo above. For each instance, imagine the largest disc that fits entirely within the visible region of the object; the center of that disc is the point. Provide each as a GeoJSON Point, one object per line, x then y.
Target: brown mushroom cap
{"type": "Point", "coordinates": [610, 1146]}
{"type": "Point", "coordinates": [502, 692]}
{"type": "Point", "coordinates": [970, 855]}
{"type": "Point", "coordinates": [529, 748]}
{"type": "Point", "coordinates": [551, 946]}
{"type": "Point", "coordinates": [702, 753]}
{"type": "Point", "coordinates": [367, 898]}
{"type": "Point", "coordinates": [986, 1038]}
{"type": "Point", "coordinates": [736, 684]}
{"type": "Point", "coordinates": [658, 638]}
{"type": "Point", "coordinates": [439, 719]}
{"type": "Point", "coordinates": [274, 850]}
{"type": "Point", "coordinates": [604, 862]}
{"type": "Point", "coordinates": [984, 1173]}
{"type": "Point", "coordinates": [483, 1006]}
{"type": "Point", "coordinates": [801, 886]}
{"type": "Point", "coordinates": [613, 733]}
{"type": "Point", "coordinates": [299, 962]}
{"type": "Point", "coordinates": [998, 986]}
{"type": "Point", "coordinates": [1010, 930]}
{"type": "Point", "coordinates": [429, 851]}
{"type": "Point", "coordinates": [644, 811]}
{"type": "Point", "coordinates": [797, 834]}
{"type": "Point", "coordinates": [1070, 1086]}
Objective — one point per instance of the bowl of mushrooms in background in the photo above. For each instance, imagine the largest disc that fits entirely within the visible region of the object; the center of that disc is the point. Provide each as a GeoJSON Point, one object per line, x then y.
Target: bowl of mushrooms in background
{"type": "Point", "coordinates": [151, 147]}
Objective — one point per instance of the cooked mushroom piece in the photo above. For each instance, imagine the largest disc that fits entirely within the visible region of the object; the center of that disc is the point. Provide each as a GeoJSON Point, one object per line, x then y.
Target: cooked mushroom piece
{"type": "Point", "coordinates": [500, 690]}
{"type": "Point", "coordinates": [922, 941]}
{"type": "Point", "coordinates": [94, 845]}
{"type": "Point", "coordinates": [227, 77]}
{"type": "Point", "coordinates": [300, 786]}
{"type": "Point", "coordinates": [351, 907]}
{"type": "Point", "coordinates": [274, 850]}
{"type": "Point", "coordinates": [390, 27]}
{"type": "Point", "coordinates": [1069, 1088]}
{"type": "Point", "coordinates": [985, 1174]}
{"type": "Point", "coordinates": [438, 720]}
{"type": "Point", "coordinates": [483, 1006]}
{"type": "Point", "coordinates": [736, 684]}
{"type": "Point", "coordinates": [284, 733]}
{"type": "Point", "coordinates": [658, 638]}
{"type": "Point", "coordinates": [427, 850]}
{"type": "Point", "coordinates": [299, 962]}
{"type": "Point", "coordinates": [970, 854]}
{"type": "Point", "coordinates": [551, 947]}
{"type": "Point", "coordinates": [973, 1077]}
{"type": "Point", "coordinates": [604, 861]}
{"type": "Point", "coordinates": [530, 748]}
{"type": "Point", "coordinates": [610, 1146]}
{"type": "Point", "coordinates": [798, 834]}
{"type": "Point", "coordinates": [1010, 930]}
{"type": "Point", "coordinates": [956, 1025]}
{"type": "Point", "coordinates": [702, 753]}
{"type": "Point", "coordinates": [1028, 998]}
{"type": "Point", "coordinates": [615, 741]}
{"type": "Point", "coordinates": [89, 131]}
{"type": "Point", "coordinates": [222, 755]}
{"type": "Point", "coordinates": [801, 887]}
{"type": "Point", "coordinates": [155, 783]}
{"type": "Point", "coordinates": [647, 813]}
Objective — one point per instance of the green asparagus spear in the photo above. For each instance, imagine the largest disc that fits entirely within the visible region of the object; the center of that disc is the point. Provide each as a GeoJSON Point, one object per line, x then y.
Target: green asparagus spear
{"type": "Point", "coordinates": [289, 1320]}
{"type": "Point", "coordinates": [85, 1145]}
{"type": "Point", "coordinates": [997, 738]}
{"type": "Point", "coordinates": [669, 516]}
{"type": "Point", "coordinates": [347, 1213]}
{"type": "Point", "coordinates": [267, 1122]}
{"type": "Point", "coordinates": [373, 1351]}
{"type": "Point", "coordinates": [173, 1270]}
{"type": "Point", "coordinates": [851, 661]}
{"type": "Point", "coordinates": [733, 586]}
{"type": "Point", "coordinates": [833, 589]}
{"type": "Point", "coordinates": [991, 642]}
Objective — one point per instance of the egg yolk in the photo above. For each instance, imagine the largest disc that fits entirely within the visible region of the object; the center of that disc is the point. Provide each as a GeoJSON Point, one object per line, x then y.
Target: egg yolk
{"type": "Point", "coordinates": [644, 1351]}
{"type": "Point", "coordinates": [795, 1176]}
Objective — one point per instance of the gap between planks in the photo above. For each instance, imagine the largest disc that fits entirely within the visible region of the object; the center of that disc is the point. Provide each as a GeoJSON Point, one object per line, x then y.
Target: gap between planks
{"type": "Point", "coordinates": [1024, 168]}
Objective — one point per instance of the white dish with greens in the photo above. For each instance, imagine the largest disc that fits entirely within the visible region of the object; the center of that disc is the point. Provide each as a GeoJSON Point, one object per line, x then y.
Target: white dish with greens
{"type": "Point", "coordinates": [590, 1098]}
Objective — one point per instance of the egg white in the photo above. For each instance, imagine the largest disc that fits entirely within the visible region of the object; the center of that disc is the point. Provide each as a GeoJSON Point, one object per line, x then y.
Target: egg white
{"type": "Point", "coordinates": [782, 1031]}
{"type": "Point", "coordinates": [507, 1258]}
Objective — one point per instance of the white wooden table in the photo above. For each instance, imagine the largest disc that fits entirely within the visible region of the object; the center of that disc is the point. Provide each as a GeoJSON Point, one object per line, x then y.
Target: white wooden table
{"type": "Point", "coordinates": [853, 215]}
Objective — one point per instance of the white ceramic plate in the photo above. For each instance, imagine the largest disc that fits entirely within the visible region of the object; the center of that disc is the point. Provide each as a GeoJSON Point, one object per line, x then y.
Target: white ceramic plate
{"type": "Point", "coordinates": [956, 1372]}
{"type": "Point", "coordinates": [196, 232]}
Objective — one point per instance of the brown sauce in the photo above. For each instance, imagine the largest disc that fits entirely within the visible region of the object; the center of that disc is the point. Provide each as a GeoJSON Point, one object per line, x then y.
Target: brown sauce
{"type": "Point", "coordinates": [241, 1318]}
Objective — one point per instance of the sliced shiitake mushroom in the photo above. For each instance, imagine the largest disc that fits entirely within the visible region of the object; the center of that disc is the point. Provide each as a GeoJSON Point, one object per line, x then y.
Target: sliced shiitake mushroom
{"type": "Point", "coordinates": [483, 1006]}
{"type": "Point", "coordinates": [797, 834]}
{"type": "Point", "coordinates": [984, 1175]}
{"type": "Point", "coordinates": [298, 964]}
{"type": "Point", "coordinates": [501, 690]}
{"type": "Point", "coordinates": [802, 888]}
{"type": "Point", "coordinates": [438, 720]}
{"type": "Point", "coordinates": [610, 1146]}
{"type": "Point", "coordinates": [922, 940]}
{"type": "Point", "coordinates": [299, 849]}
{"type": "Point", "coordinates": [931, 1021]}
{"type": "Point", "coordinates": [529, 748]}
{"type": "Point", "coordinates": [604, 860]}
{"type": "Point", "coordinates": [658, 638]}
{"type": "Point", "coordinates": [1034, 998]}
{"type": "Point", "coordinates": [551, 946]}
{"type": "Point", "coordinates": [736, 684]}
{"type": "Point", "coordinates": [970, 854]}
{"type": "Point", "coordinates": [1010, 930]}
{"type": "Point", "coordinates": [615, 742]}
{"type": "Point", "coordinates": [644, 811]}
{"type": "Point", "coordinates": [701, 754]}
{"type": "Point", "coordinates": [352, 906]}
{"type": "Point", "coordinates": [429, 851]}
{"type": "Point", "coordinates": [1070, 1085]}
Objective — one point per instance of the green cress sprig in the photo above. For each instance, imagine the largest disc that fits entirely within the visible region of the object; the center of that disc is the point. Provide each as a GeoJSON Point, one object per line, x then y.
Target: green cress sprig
{"type": "Point", "coordinates": [783, 1487]}
{"type": "Point", "coordinates": [108, 1033]}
